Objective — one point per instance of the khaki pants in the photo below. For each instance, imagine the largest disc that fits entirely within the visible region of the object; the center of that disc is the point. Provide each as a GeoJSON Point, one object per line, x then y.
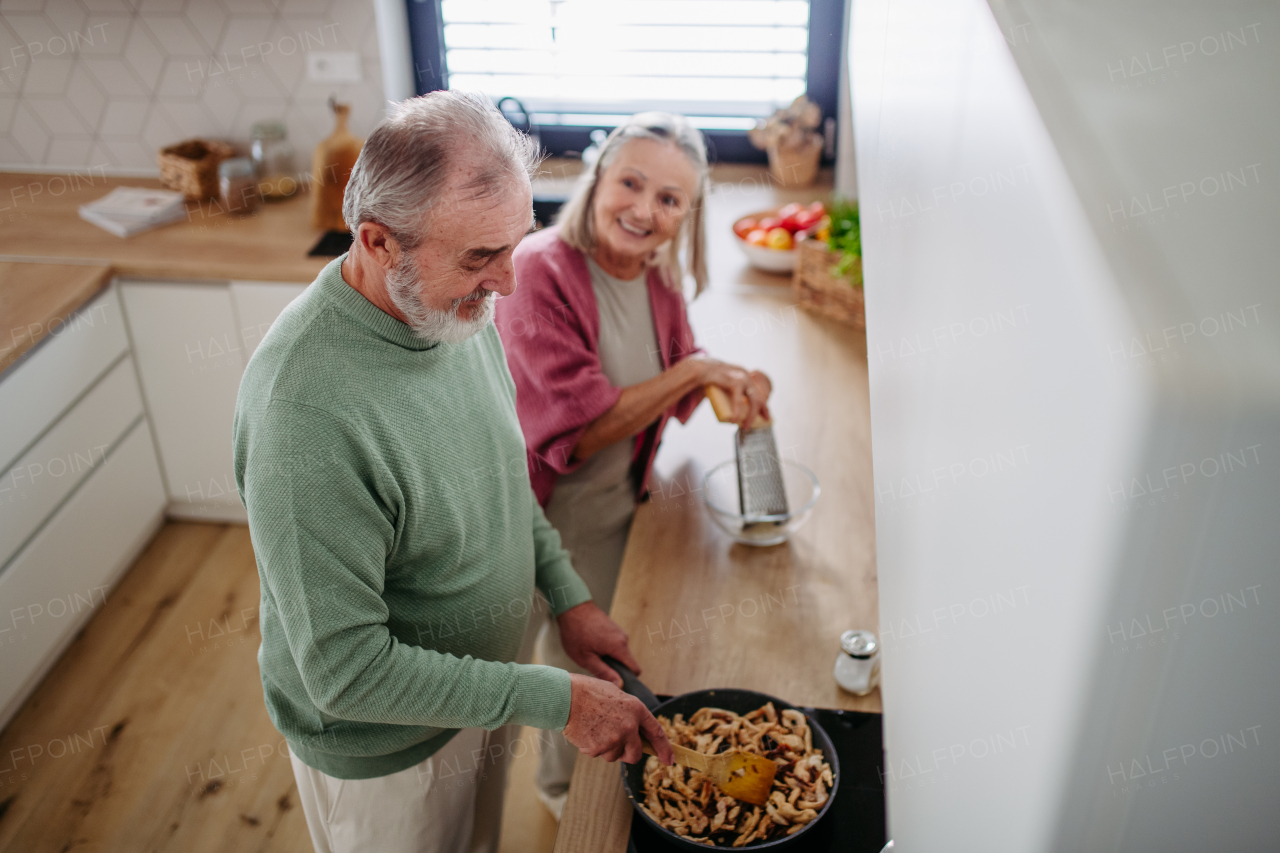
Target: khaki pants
{"type": "Point", "coordinates": [558, 756]}
{"type": "Point", "coordinates": [597, 562]}
{"type": "Point", "coordinates": [451, 802]}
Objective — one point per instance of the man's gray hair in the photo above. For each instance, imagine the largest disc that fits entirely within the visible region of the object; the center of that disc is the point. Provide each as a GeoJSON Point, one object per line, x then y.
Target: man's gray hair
{"type": "Point", "coordinates": [402, 172]}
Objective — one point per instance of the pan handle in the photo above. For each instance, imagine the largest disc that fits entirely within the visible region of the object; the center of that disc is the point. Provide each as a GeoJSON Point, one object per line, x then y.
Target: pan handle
{"type": "Point", "coordinates": [632, 684]}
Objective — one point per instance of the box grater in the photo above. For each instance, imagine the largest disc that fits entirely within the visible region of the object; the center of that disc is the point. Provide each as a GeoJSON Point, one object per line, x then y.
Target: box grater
{"type": "Point", "coordinates": [760, 488]}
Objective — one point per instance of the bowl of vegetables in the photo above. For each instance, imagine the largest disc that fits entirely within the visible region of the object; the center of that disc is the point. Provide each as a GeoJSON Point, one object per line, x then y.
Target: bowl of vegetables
{"type": "Point", "coordinates": [768, 238]}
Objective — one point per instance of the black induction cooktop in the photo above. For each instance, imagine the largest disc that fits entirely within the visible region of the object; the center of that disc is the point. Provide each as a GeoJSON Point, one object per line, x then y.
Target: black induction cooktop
{"type": "Point", "coordinates": [855, 822]}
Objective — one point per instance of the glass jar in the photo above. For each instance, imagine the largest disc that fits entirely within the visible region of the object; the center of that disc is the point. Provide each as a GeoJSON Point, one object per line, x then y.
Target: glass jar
{"type": "Point", "coordinates": [858, 664]}
{"type": "Point", "coordinates": [273, 160]}
{"type": "Point", "coordinates": [238, 186]}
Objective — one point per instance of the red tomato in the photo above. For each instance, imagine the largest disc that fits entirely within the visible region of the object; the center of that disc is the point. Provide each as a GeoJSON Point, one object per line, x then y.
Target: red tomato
{"type": "Point", "coordinates": [769, 223]}
{"type": "Point", "coordinates": [817, 207]}
{"type": "Point", "coordinates": [758, 237]}
{"type": "Point", "coordinates": [790, 210]}
{"type": "Point", "coordinates": [808, 218]}
{"type": "Point", "coordinates": [743, 227]}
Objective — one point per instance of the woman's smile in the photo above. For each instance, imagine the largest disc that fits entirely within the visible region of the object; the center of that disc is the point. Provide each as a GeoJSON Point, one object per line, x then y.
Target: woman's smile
{"type": "Point", "coordinates": [637, 230]}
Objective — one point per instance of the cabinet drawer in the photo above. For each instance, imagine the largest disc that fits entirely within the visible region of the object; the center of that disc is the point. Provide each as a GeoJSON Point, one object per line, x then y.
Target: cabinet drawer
{"type": "Point", "coordinates": [54, 583]}
{"type": "Point", "coordinates": [65, 455]}
{"type": "Point", "coordinates": [38, 390]}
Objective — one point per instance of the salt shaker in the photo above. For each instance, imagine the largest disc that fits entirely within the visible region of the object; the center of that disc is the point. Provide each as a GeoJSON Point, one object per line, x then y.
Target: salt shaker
{"type": "Point", "coordinates": [858, 664]}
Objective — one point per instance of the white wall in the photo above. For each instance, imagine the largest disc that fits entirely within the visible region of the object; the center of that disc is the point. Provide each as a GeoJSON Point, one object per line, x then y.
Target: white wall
{"type": "Point", "coordinates": [1010, 416]}
{"type": "Point", "coordinates": [846, 172]}
{"type": "Point", "coordinates": [104, 86]}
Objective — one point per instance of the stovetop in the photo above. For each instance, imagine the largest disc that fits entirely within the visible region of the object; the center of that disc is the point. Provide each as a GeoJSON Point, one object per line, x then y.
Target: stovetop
{"type": "Point", "coordinates": [855, 822]}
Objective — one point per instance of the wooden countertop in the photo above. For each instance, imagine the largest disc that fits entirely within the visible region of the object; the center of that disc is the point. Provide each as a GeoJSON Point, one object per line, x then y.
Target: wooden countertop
{"type": "Point", "coordinates": [36, 298]}
{"type": "Point", "coordinates": [41, 233]}
{"type": "Point", "coordinates": [52, 261]}
{"type": "Point", "coordinates": [737, 189]}
{"type": "Point", "coordinates": [43, 223]}
{"type": "Point", "coordinates": [703, 611]}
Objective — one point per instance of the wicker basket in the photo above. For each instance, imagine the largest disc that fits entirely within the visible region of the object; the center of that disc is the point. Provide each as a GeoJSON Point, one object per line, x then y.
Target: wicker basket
{"type": "Point", "coordinates": [824, 293]}
{"type": "Point", "coordinates": [191, 167]}
{"type": "Point", "coordinates": [796, 167]}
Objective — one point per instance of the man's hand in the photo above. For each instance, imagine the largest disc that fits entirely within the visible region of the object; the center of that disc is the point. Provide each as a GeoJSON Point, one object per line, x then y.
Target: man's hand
{"type": "Point", "coordinates": [586, 634]}
{"type": "Point", "coordinates": [606, 723]}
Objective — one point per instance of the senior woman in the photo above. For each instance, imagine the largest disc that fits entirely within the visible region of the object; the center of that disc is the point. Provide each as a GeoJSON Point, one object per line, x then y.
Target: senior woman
{"type": "Point", "coordinates": [602, 354]}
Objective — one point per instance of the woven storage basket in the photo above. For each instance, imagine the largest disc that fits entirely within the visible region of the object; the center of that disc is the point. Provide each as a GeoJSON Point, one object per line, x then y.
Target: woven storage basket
{"type": "Point", "coordinates": [191, 167]}
{"type": "Point", "coordinates": [796, 167]}
{"type": "Point", "coordinates": [820, 291]}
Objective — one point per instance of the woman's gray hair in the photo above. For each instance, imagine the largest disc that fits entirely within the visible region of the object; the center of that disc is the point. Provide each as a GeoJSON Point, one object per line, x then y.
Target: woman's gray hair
{"type": "Point", "coordinates": [403, 169]}
{"type": "Point", "coordinates": [577, 220]}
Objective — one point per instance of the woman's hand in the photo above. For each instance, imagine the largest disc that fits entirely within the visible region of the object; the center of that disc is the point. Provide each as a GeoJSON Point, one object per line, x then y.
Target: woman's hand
{"type": "Point", "coordinates": [642, 404]}
{"type": "Point", "coordinates": [748, 390]}
{"type": "Point", "coordinates": [763, 388]}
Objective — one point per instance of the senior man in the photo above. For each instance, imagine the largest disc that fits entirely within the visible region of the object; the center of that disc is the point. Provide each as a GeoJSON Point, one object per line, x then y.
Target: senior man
{"type": "Point", "coordinates": [398, 540]}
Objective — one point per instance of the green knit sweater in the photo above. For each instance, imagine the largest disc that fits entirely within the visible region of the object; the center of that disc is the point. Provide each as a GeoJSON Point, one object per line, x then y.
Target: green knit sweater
{"type": "Point", "coordinates": [398, 540]}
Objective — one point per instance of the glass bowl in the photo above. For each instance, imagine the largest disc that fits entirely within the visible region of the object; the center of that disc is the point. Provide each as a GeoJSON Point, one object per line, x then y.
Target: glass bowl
{"type": "Point", "coordinates": [720, 494]}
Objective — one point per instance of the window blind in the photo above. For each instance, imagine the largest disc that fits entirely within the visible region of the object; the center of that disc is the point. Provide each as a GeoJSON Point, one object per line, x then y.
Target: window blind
{"type": "Point", "coordinates": [722, 62]}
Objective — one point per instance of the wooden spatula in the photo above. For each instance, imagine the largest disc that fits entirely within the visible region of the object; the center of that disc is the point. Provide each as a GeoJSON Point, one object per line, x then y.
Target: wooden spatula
{"type": "Point", "coordinates": [742, 775]}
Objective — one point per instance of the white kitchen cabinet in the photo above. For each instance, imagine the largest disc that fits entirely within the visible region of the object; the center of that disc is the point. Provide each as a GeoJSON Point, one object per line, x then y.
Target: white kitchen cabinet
{"type": "Point", "coordinates": [190, 353]}
{"type": "Point", "coordinates": [52, 586]}
{"type": "Point", "coordinates": [80, 488]}
{"type": "Point", "coordinates": [66, 455]}
{"type": "Point", "coordinates": [258, 304]}
{"type": "Point", "coordinates": [40, 387]}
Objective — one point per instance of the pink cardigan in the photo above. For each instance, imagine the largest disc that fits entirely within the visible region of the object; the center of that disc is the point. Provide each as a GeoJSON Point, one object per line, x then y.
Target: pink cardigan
{"type": "Point", "coordinates": [550, 327]}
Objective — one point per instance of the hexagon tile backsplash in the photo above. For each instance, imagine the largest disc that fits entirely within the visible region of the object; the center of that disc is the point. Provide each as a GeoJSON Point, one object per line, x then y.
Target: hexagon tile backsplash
{"type": "Point", "coordinates": [105, 84]}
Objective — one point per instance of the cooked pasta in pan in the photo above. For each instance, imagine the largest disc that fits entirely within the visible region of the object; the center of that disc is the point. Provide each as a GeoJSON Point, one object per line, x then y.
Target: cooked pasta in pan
{"type": "Point", "coordinates": [685, 801]}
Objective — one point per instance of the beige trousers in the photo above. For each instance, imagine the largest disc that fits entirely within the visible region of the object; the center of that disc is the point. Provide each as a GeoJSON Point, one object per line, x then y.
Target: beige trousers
{"type": "Point", "coordinates": [451, 802]}
{"type": "Point", "coordinates": [597, 561]}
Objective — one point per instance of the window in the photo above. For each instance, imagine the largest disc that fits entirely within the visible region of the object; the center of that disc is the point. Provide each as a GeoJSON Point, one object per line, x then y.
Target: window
{"type": "Point", "coordinates": [584, 64]}
{"type": "Point", "coordinates": [573, 57]}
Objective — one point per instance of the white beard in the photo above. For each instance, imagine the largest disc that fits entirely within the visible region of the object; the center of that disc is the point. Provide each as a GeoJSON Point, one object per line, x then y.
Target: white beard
{"type": "Point", "coordinates": [404, 286]}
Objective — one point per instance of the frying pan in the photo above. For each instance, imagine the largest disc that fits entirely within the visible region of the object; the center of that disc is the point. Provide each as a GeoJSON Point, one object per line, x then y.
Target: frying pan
{"type": "Point", "coordinates": [730, 699]}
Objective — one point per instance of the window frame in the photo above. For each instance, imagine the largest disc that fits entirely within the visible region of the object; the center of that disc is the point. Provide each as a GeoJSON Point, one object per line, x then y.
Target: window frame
{"type": "Point", "coordinates": [822, 81]}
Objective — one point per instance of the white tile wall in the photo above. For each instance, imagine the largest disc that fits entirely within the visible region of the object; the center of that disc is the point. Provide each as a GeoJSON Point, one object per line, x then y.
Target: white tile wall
{"type": "Point", "coordinates": [107, 83]}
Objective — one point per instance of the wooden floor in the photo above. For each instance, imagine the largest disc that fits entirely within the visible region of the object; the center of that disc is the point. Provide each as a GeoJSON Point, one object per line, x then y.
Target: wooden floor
{"type": "Point", "coordinates": [150, 733]}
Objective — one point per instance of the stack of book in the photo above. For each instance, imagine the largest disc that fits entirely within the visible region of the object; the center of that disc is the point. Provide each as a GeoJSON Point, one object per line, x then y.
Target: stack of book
{"type": "Point", "coordinates": [126, 211]}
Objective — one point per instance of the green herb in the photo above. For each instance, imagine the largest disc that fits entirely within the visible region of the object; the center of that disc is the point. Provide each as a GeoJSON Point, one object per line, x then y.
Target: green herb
{"type": "Point", "coordinates": [845, 237]}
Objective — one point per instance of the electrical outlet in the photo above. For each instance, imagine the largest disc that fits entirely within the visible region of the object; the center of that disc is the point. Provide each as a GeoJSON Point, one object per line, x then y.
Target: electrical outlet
{"type": "Point", "coordinates": [333, 66]}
